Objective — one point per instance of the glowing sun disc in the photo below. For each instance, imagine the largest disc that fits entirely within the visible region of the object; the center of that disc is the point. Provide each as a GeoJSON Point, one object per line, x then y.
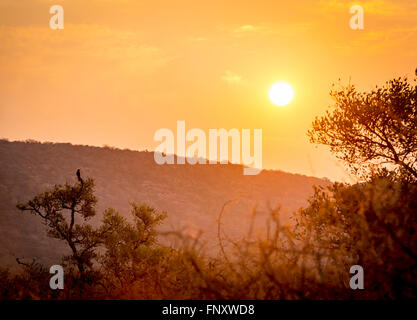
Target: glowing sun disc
{"type": "Point", "coordinates": [281, 93]}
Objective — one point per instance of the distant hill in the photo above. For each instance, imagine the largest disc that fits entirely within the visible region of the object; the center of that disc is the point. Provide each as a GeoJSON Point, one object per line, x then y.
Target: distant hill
{"type": "Point", "coordinates": [193, 195]}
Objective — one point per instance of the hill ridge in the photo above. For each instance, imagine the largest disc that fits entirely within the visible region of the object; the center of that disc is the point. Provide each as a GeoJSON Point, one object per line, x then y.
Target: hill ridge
{"type": "Point", "coordinates": [191, 194]}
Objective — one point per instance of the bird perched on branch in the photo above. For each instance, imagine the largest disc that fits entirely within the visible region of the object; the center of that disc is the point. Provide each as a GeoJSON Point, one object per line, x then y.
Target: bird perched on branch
{"type": "Point", "coordinates": [79, 176]}
{"type": "Point", "coordinates": [80, 180]}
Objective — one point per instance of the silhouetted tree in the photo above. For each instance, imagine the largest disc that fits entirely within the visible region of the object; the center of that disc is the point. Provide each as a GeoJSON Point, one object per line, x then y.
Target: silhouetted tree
{"type": "Point", "coordinates": [64, 210]}
{"type": "Point", "coordinates": [372, 223]}
{"type": "Point", "coordinates": [130, 253]}
{"type": "Point", "coordinates": [373, 129]}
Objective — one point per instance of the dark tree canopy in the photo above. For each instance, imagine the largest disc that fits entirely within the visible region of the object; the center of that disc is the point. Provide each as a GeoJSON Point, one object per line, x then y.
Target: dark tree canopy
{"type": "Point", "coordinates": [66, 209]}
{"type": "Point", "coordinates": [60, 208]}
{"type": "Point", "coordinates": [372, 130]}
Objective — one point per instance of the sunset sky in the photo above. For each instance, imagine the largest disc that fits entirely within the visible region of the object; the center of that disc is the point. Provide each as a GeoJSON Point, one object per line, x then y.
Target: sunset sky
{"type": "Point", "coordinates": [122, 69]}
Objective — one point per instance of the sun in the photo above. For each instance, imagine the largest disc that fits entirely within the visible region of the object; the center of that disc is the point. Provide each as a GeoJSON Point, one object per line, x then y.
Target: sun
{"type": "Point", "coordinates": [281, 93]}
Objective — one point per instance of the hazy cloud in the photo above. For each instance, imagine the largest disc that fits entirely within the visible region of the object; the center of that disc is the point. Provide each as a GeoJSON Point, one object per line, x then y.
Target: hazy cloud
{"type": "Point", "coordinates": [42, 47]}
{"type": "Point", "coordinates": [231, 77]}
{"type": "Point", "coordinates": [245, 28]}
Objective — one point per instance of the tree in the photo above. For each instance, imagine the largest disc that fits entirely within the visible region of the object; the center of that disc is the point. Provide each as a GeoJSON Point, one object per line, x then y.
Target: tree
{"type": "Point", "coordinates": [128, 249]}
{"type": "Point", "coordinates": [372, 130]}
{"type": "Point", "coordinates": [65, 210]}
{"type": "Point", "coordinates": [372, 223]}
{"type": "Point", "coordinates": [130, 252]}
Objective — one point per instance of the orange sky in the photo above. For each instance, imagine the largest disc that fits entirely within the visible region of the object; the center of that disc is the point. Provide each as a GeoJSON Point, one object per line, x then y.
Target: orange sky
{"type": "Point", "coordinates": [122, 69]}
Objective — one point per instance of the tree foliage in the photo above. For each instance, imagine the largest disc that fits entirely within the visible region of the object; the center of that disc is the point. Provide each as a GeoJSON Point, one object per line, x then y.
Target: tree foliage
{"type": "Point", "coordinates": [65, 210]}
{"type": "Point", "coordinates": [372, 129]}
{"type": "Point", "coordinates": [371, 224]}
{"type": "Point", "coordinates": [124, 251]}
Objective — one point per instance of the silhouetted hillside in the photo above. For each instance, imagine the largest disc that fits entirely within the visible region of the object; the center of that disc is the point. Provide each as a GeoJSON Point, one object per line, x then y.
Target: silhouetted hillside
{"type": "Point", "coordinates": [193, 195]}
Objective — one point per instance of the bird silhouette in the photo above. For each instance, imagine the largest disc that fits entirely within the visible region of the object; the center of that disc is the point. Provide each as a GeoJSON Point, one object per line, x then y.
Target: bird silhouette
{"type": "Point", "coordinates": [79, 176]}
